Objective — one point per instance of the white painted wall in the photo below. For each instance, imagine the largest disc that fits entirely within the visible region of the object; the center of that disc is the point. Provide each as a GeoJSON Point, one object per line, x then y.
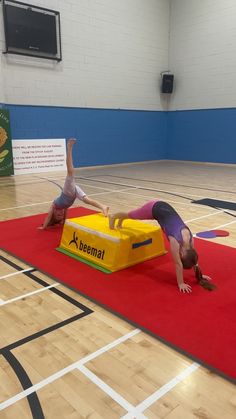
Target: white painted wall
{"type": "Point", "coordinates": [113, 53]}
{"type": "Point", "coordinates": [203, 53]}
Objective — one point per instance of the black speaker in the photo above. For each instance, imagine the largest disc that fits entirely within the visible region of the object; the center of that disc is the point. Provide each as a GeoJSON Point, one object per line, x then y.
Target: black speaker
{"type": "Point", "coordinates": [167, 83]}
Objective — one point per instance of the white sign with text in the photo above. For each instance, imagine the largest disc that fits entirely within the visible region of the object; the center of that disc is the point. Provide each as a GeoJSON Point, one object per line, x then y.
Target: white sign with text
{"type": "Point", "coordinates": [35, 156]}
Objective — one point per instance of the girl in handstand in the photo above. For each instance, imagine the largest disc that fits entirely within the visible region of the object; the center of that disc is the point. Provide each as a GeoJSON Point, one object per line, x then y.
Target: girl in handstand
{"type": "Point", "coordinates": [71, 191]}
{"type": "Point", "coordinates": [179, 236]}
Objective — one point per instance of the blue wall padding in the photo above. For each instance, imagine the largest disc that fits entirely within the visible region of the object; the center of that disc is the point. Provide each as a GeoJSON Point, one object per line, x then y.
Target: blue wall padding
{"type": "Point", "coordinates": [105, 136]}
{"type": "Point", "coordinates": [109, 136]}
{"type": "Point", "coordinates": [202, 135]}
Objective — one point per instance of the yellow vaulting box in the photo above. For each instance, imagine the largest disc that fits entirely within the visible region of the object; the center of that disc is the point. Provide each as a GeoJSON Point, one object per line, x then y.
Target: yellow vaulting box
{"type": "Point", "coordinates": [91, 239]}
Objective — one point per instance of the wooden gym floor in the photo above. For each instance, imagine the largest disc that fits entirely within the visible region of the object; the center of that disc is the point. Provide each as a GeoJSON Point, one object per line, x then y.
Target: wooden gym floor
{"type": "Point", "coordinates": [90, 363]}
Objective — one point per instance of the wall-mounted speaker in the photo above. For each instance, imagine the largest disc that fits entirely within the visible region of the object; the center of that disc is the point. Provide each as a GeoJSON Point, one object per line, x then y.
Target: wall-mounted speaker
{"type": "Point", "coordinates": [167, 83]}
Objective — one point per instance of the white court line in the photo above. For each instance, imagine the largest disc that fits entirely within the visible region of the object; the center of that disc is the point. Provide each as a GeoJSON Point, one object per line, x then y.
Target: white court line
{"type": "Point", "coordinates": [28, 295]}
{"type": "Point", "coordinates": [153, 189]}
{"type": "Point", "coordinates": [173, 202]}
{"type": "Point", "coordinates": [223, 225]}
{"type": "Point", "coordinates": [161, 392]}
{"type": "Point", "coordinates": [117, 191]}
{"type": "Point", "coordinates": [109, 346]}
{"type": "Point", "coordinates": [49, 202]}
{"type": "Point", "coordinates": [79, 364]}
{"type": "Point", "coordinates": [66, 370]}
{"type": "Point", "coordinates": [133, 412]}
{"type": "Point", "coordinates": [24, 206]}
{"type": "Point", "coordinates": [113, 191]}
{"type": "Point", "coordinates": [137, 411]}
{"type": "Point", "coordinates": [204, 216]}
{"type": "Point", "coordinates": [197, 218]}
{"type": "Point", "coordinates": [169, 200]}
{"type": "Point", "coordinates": [106, 388]}
{"type": "Point", "coordinates": [16, 273]}
{"type": "Point", "coordinates": [100, 187]}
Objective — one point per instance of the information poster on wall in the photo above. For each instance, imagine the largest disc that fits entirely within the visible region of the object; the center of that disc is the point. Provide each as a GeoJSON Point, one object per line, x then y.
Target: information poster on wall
{"type": "Point", "coordinates": [6, 159]}
{"type": "Point", "coordinates": [36, 156]}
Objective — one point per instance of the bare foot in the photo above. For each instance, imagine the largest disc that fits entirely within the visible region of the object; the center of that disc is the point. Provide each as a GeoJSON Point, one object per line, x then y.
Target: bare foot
{"type": "Point", "coordinates": [105, 210]}
{"type": "Point", "coordinates": [71, 142]}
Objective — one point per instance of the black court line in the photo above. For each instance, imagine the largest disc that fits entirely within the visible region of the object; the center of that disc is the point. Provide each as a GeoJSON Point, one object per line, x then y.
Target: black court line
{"type": "Point", "coordinates": [216, 203]}
{"type": "Point", "coordinates": [21, 374]}
{"type": "Point", "coordinates": [51, 181]}
{"type": "Point", "coordinates": [220, 205]}
{"type": "Point", "coordinates": [7, 185]}
{"type": "Point", "coordinates": [159, 182]}
{"type": "Point", "coordinates": [160, 339]}
{"type": "Point", "coordinates": [225, 212]}
{"type": "Point", "coordinates": [158, 190]}
{"type": "Point", "coordinates": [45, 284]}
{"type": "Point", "coordinates": [13, 185]}
{"type": "Point", "coordinates": [26, 383]}
{"type": "Point", "coordinates": [139, 187]}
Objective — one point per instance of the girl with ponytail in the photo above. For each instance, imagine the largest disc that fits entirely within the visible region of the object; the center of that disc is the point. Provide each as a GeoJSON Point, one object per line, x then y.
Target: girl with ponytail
{"type": "Point", "coordinates": [177, 232]}
{"type": "Point", "coordinates": [203, 279]}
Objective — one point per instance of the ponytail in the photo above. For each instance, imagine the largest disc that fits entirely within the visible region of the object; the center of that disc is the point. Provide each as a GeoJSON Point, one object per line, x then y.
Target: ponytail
{"type": "Point", "coordinates": [202, 281]}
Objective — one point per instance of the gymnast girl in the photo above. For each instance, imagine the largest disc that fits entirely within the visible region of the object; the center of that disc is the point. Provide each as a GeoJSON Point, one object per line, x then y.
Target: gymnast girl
{"type": "Point", "coordinates": [178, 234]}
{"type": "Point", "coordinates": [70, 191]}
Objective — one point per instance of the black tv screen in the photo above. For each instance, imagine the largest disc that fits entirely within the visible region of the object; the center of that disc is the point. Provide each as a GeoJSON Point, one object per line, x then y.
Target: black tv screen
{"type": "Point", "coordinates": [31, 30]}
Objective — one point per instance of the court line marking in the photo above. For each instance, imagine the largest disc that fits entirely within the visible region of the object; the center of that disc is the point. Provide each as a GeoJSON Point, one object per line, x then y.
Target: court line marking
{"type": "Point", "coordinates": [181, 203]}
{"type": "Point", "coordinates": [197, 218]}
{"type": "Point", "coordinates": [119, 191]}
{"type": "Point", "coordinates": [148, 197]}
{"type": "Point", "coordinates": [146, 188]}
{"type": "Point", "coordinates": [162, 191]}
{"type": "Point", "coordinates": [24, 206]}
{"type": "Point", "coordinates": [223, 225]}
{"type": "Point", "coordinates": [123, 184]}
{"type": "Point", "coordinates": [203, 216]}
{"type": "Point", "coordinates": [16, 273]}
{"type": "Point", "coordinates": [145, 404]}
{"type": "Point", "coordinates": [66, 370]}
{"type": "Point", "coordinates": [169, 200]}
{"type": "Point", "coordinates": [132, 410]}
{"type": "Point", "coordinates": [175, 380]}
{"type": "Point", "coordinates": [49, 202]}
{"type": "Point", "coordinates": [20, 297]}
{"type": "Point", "coordinates": [112, 191]}
{"type": "Point", "coordinates": [106, 388]}
{"type": "Point", "coordinates": [107, 192]}
{"type": "Point", "coordinates": [90, 176]}
{"type": "Point", "coordinates": [179, 185]}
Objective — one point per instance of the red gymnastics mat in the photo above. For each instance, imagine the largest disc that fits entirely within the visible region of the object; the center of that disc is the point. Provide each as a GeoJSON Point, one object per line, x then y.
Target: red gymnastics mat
{"type": "Point", "coordinates": [202, 325]}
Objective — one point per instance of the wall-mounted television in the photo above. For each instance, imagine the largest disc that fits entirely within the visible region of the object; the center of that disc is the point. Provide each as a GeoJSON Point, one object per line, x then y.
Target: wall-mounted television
{"type": "Point", "coordinates": [31, 30]}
